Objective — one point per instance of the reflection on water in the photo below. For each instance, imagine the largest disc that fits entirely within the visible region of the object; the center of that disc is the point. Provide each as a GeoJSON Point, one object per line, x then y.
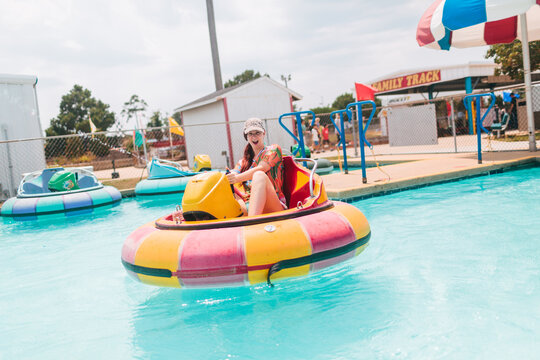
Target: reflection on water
{"type": "Point", "coordinates": [291, 320]}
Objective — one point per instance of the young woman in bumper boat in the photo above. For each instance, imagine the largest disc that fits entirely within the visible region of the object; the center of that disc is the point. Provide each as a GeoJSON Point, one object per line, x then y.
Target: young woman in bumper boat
{"type": "Point", "coordinates": [261, 171]}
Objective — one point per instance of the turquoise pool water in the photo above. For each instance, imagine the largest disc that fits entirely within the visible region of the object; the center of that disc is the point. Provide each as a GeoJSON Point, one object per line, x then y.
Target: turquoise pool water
{"type": "Point", "coordinates": [452, 271]}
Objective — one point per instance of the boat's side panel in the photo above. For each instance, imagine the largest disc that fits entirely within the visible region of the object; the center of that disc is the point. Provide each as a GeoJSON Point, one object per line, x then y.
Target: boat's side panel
{"type": "Point", "coordinates": [327, 231]}
{"type": "Point", "coordinates": [357, 220]}
{"type": "Point", "coordinates": [7, 207]}
{"type": "Point", "coordinates": [244, 254]}
{"type": "Point", "coordinates": [76, 201]}
{"type": "Point", "coordinates": [161, 250]}
{"type": "Point", "coordinates": [25, 206]}
{"type": "Point", "coordinates": [161, 186]}
{"type": "Point", "coordinates": [113, 192]}
{"type": "Point", "coordinates": [132, 243]}
{"type": "Point", "coordinates": [354, 216]}
{"type": "Point", "coordinates": [49, 204]}
{"type": "Point", "coordinates": [266, 244]}
{"type": "Point", "coordinates": [60, 203]}
{"type": "Point", "coordinates": [213, 257]}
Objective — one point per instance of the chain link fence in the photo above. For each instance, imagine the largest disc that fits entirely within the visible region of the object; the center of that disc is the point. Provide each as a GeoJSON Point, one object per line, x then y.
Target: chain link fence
{"type": "Point", "coordinates": [442, 125]}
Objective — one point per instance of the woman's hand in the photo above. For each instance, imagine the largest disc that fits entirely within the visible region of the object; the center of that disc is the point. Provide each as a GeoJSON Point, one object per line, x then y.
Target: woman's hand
{"type": "Point", "coordinates": [232, 177]}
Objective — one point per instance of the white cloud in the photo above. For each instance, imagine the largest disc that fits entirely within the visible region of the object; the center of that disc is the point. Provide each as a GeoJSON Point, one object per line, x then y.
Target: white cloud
{"type": "Point", "coordinates": [161, 51]}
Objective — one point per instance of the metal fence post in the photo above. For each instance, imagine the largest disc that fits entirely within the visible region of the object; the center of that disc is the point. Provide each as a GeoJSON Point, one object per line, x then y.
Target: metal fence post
{"type": "Point", "coordinates": [453, 124]}
{"type": "Point", "coordinates": [355, 142]}
{"type": "Point", "coordinates": [10, 165]}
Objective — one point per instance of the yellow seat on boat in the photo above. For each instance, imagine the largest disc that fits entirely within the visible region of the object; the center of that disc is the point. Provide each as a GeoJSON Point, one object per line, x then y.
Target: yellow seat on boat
{"type": "Point", "coordinates": [208, 196]}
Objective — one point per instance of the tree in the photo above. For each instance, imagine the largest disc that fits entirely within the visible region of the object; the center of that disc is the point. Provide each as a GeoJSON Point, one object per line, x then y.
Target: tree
{"type": "Point", "coordinates": [322, 110]}
{"type": "Point", "coordinates": [156, 120]}
{"type": "Point", "coordinates": [246, 76]}
{"type": "Point", "coordinates": [133, 107]}
{"type": "Point", "coordinates": [342, 101]}
{"type": "Point", "coordinates": [510, 57]}
{"type": "Point", "coordinates": [76, 108]}
{"type": "Point", "coordinates": [177, 116]}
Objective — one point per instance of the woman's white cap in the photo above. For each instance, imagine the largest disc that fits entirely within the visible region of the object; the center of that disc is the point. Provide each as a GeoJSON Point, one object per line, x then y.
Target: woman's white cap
{"type": "Point", "coordinates": [253, 124]}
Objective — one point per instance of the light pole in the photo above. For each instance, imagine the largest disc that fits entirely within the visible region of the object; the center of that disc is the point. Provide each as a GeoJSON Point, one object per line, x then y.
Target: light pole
{"type": "Point", "coordinates": [213, 44]}
{"type": "Point", "coordinates": [286, 78]}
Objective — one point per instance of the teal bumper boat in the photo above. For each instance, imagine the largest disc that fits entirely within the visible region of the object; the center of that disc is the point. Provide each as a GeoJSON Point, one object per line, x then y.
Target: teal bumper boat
{"type": "Point", "coordinates": [59, 190]}
{"type": "Point", "coordinates": [165, 177]}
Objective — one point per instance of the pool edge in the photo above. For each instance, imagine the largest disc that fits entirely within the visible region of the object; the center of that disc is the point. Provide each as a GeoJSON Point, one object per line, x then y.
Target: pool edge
{"type": "Point", "coordinates": [372, 190]}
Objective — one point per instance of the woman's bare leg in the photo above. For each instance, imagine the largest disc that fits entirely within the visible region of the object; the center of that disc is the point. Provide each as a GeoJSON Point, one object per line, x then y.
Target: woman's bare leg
{"type": "Point", "coordinates": [263, 196]}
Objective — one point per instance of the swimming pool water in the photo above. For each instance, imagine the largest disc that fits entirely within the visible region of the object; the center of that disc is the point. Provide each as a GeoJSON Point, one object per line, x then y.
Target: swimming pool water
{"type": "Point", "coordinates": [452, 271]}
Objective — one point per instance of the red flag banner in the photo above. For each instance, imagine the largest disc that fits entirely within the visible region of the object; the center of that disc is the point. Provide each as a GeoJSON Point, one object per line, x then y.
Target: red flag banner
{"type": "Point", "coordinates": [364, 92]}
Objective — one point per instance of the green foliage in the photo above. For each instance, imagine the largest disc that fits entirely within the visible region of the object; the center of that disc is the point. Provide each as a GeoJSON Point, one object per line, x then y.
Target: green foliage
{"type": "Point", "coordinates": [156, 120]}
{"type": "Point", "coordinates": [75, 109]}
{"type": "Point", "coordinates": [342, 101]}
{"type": "Point", "coordinates": [132, 107]}
{"type": "Point", "coordinates": [510, 57]}
{"type": "Point", "coordinates": [177, 116]}
{"type": "Point", "coordinates": [322, 109]}
{"type": "Point", "coordinates": [246, 76]}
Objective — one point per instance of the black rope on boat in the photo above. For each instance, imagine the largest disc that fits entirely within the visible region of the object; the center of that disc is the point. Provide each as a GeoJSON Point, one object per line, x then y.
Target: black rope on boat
{"type": "Point", "coordinates": [309, 259]}
{"type": "Point", "coordinates": [147, 270]}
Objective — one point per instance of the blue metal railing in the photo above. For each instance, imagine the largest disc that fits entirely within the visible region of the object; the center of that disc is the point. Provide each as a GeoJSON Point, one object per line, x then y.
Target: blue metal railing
{"type": "Point", "coordinates": [467, 100]}
{"type": "Point", "coordinates": [299, 139]}
{"type": "Point", "coordinates": [362, 130]}
{"type": "Point", "coordinates": [341, 130]}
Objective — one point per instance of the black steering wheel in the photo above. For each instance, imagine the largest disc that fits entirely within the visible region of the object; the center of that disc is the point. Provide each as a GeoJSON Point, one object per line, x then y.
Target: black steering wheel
{"type": "Point", "coordinates": [227, 171]}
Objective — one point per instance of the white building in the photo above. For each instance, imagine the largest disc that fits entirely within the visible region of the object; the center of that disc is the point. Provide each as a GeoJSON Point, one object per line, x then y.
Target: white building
{"type": "Point", "coordinates": [213, 124]}
{"type": "Point", "coordinates": [19, 119]}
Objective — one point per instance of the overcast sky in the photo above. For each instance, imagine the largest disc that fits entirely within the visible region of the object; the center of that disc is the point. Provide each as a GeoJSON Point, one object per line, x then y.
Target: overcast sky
{"type": "Point", "coordinates": [160, 50]}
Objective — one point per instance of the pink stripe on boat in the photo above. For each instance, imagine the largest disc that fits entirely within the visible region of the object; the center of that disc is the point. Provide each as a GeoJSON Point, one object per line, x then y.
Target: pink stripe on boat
{"type": "Point", "coordinates": [327, 230]}
{"type": "Point", "coordinates": [134, 240]}
{"type": "Point", "coordinates": [212, 257]}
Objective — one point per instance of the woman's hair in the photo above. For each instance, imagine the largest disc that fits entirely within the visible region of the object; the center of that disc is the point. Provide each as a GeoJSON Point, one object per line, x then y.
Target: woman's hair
{"type": "Point", "coordinates": [249, 154]}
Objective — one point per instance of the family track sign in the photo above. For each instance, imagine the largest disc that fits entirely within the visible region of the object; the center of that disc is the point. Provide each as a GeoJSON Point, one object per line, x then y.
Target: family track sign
{"type": "Point", "coordinates": [406, 81]}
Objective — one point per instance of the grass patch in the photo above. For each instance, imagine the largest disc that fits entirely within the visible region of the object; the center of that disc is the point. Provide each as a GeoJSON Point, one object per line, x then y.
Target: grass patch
{"type": "Point", "coordinates": [121, 184]}
{"type": "Point", "coordinates": [512, 138]}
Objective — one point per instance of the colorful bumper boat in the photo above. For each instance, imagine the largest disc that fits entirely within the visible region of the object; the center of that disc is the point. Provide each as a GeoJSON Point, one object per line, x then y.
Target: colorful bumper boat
{"type": "Point", "coordinates": [324, 166]}
{"type": "Point", "coordinates": [216, 246]}
{"type": "Point", "coordinates": [165, 177]}
{"type": "Point", "coordinates": [57, 190]}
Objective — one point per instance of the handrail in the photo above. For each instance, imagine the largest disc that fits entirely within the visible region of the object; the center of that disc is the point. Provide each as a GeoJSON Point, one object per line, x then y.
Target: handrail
{"type": "Point", "coordinates": [341, 131]}
{"type": "Point", "coordinates": [362, 130]}
{"type": "Point", "coordinates": [467, 100]}
{"type": "Point", "coordinates": [169, 162]}
{"type": "Point", "coordinates": [298, 139]}
{"type": "Point", "coordinates": [310, 175]}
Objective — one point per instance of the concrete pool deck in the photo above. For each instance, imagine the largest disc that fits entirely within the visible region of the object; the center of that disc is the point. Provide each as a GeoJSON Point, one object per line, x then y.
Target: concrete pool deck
{"type": "Point", "coordinates": [408, 171]}
{"type": "Point", "coordinates": [416, 170]}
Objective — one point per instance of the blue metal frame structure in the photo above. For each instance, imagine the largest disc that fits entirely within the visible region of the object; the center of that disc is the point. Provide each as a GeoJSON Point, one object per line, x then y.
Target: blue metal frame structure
{"type": "Point", "coordinates": [362, 130]}
{"type": "Point", "coordinates": [341, 131]}
{"type": "Point", "coordinates": [467, 100]}
{"type": "Point", "coordinates": [299, 139]}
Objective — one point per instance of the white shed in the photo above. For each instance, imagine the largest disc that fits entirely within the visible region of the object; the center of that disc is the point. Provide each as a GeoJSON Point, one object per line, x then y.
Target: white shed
{"type": "Point", "coordinates": [213, 124]}
{"type": "Point", "coordinates": [19, 119]}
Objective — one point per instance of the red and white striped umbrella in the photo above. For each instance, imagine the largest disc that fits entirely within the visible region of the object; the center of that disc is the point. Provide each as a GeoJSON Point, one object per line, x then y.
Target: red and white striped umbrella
{"type": "Point", "coordinates": [470, 23]}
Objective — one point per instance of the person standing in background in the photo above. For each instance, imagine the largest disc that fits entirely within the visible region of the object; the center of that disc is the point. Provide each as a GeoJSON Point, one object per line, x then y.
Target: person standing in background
{"type": "Point", "coordinates": [325, 137]}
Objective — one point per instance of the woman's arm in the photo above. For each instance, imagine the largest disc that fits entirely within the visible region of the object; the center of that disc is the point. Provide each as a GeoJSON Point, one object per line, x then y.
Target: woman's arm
{"type": "Point", "coordinates": [247, 175]}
